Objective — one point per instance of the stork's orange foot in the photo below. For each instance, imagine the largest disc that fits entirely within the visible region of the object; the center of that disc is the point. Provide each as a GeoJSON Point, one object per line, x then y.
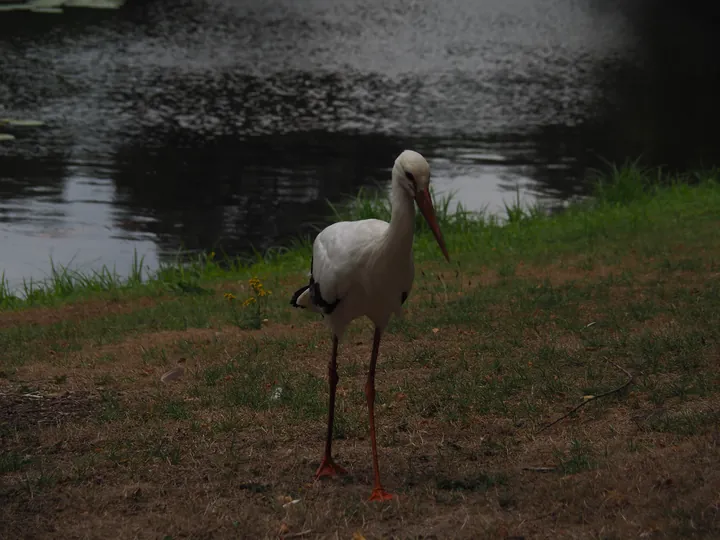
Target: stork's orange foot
{"type": "Point", "coordinates": [329, 468]}
{"type": "Point", "coordinates": [379, 494]}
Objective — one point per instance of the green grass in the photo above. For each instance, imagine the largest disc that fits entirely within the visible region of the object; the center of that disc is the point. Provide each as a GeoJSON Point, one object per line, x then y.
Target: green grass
{"type": "Point", "coordinates": [632, 209]}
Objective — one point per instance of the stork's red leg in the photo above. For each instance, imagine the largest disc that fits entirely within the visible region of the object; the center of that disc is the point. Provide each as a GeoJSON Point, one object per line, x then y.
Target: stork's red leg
{"type": "Point", "coordinates": [327, 465]}
{"type": "Point", "coordinates": [378, 493]}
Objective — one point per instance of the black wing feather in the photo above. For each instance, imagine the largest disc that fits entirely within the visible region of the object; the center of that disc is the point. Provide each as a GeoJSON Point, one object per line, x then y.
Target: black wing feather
{"type": "Point", "coordinates": [315, 295]}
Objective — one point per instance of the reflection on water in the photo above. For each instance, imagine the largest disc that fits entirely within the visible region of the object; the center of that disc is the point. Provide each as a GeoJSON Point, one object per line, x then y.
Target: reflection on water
{"type": "Point", "coordinates": [262, 189]}
{"type": "Point", "coordinates": [215, 124]}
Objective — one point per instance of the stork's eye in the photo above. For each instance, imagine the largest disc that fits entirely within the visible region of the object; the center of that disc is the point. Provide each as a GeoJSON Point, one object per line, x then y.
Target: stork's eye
{"type": "Point", "coordinates": [410, 177]}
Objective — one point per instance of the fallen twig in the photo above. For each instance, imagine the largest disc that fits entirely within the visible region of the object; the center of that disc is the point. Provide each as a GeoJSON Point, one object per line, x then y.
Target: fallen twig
{"type": "Point", "coordinates": [593, 398]}
{"type": "Point", "coordinates": [540, 469]}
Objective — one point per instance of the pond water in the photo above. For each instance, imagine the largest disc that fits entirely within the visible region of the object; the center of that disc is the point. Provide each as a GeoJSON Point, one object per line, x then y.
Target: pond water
{"type": "Point", "coordinates": [226, 125]}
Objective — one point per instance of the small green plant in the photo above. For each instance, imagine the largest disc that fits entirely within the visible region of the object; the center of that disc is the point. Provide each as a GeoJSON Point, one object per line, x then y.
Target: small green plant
{"type": "Point", "coordinates": [514, 211]}
{"type": "Point", "coordinates": [254, 306]}
{"type": "Point", "coordinates": [578, 458]}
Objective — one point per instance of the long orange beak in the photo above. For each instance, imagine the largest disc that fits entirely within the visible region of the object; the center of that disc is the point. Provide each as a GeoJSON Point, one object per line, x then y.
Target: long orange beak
{"type": "Point", "coordinates": [424, 202]}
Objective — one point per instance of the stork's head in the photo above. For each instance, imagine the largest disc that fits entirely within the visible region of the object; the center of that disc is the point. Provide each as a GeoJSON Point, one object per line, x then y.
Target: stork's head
{"type": "Point", "coordinates": [412, 172]}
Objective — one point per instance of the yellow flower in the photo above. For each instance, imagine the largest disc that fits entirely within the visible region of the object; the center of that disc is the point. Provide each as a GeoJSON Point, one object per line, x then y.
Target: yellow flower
{"type": "Point", "coordinates": [229, 296]}
{"type": "Point", "coordinates": [256, 285]}
{"type": "Point", "coordinates": [212, 255]}
{"type": "Point", "coordinates": [249, 301]}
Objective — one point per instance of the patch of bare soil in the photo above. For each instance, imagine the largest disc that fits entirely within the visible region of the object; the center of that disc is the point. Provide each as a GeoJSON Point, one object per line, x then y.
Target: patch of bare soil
{"type": "Point", "coordinates": [125, 366]}
{"type": "Point", "coordinates": [43, 316]}
{"type": "Point", "coordinates": [486, 479]}
{"type": "Point", "coordinates": [28, 410]}
{"type": "Point", "coordinates": [230, 334]}
{"type": "Point", "coordinates": [643, 271]}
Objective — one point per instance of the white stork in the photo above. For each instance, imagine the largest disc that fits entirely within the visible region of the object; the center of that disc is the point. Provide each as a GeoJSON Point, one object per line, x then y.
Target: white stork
{"type": "Point", "coordinates": [365, 268]}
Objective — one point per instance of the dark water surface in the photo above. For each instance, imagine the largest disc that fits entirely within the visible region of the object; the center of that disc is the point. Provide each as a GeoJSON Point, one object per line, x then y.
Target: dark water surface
{"type": "Point", "coordinates": [226, 124]}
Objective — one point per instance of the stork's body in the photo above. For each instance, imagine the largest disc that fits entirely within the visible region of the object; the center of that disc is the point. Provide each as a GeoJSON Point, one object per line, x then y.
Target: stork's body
{"type": "Point", "coordinates": [357, 272]}
{"type": "Point", "coordinates": [365, 268]}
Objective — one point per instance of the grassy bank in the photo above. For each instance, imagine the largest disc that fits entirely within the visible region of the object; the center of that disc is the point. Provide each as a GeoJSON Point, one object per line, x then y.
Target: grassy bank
{"type": "Point", "coordinates": [628, 204]}
{"type": "Point", "coordinates": [535, 316]}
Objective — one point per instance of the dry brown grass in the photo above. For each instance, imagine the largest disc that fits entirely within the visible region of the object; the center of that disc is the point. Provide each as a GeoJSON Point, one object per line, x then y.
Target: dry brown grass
{"type": "Point", "coordinates": [95, 446]}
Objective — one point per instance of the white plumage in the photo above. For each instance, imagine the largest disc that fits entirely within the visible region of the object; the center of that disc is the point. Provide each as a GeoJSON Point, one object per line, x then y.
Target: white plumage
{"type": "Point", "coordinates": [367, 277]}
{"type": "Point", "coordinates": [365, 268]}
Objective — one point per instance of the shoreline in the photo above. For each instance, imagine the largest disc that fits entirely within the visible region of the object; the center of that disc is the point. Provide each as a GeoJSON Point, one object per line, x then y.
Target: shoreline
{"type": "Point", "coordinates": [621, 198]}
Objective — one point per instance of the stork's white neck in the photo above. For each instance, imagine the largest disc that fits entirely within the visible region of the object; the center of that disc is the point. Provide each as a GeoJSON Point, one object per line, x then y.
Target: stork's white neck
{"type": "Point", "coordinates": [399, 237]}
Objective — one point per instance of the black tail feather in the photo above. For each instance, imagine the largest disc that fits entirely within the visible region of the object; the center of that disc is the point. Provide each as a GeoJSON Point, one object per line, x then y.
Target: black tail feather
{"type": "Point", "coordinates": [296, 295]}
